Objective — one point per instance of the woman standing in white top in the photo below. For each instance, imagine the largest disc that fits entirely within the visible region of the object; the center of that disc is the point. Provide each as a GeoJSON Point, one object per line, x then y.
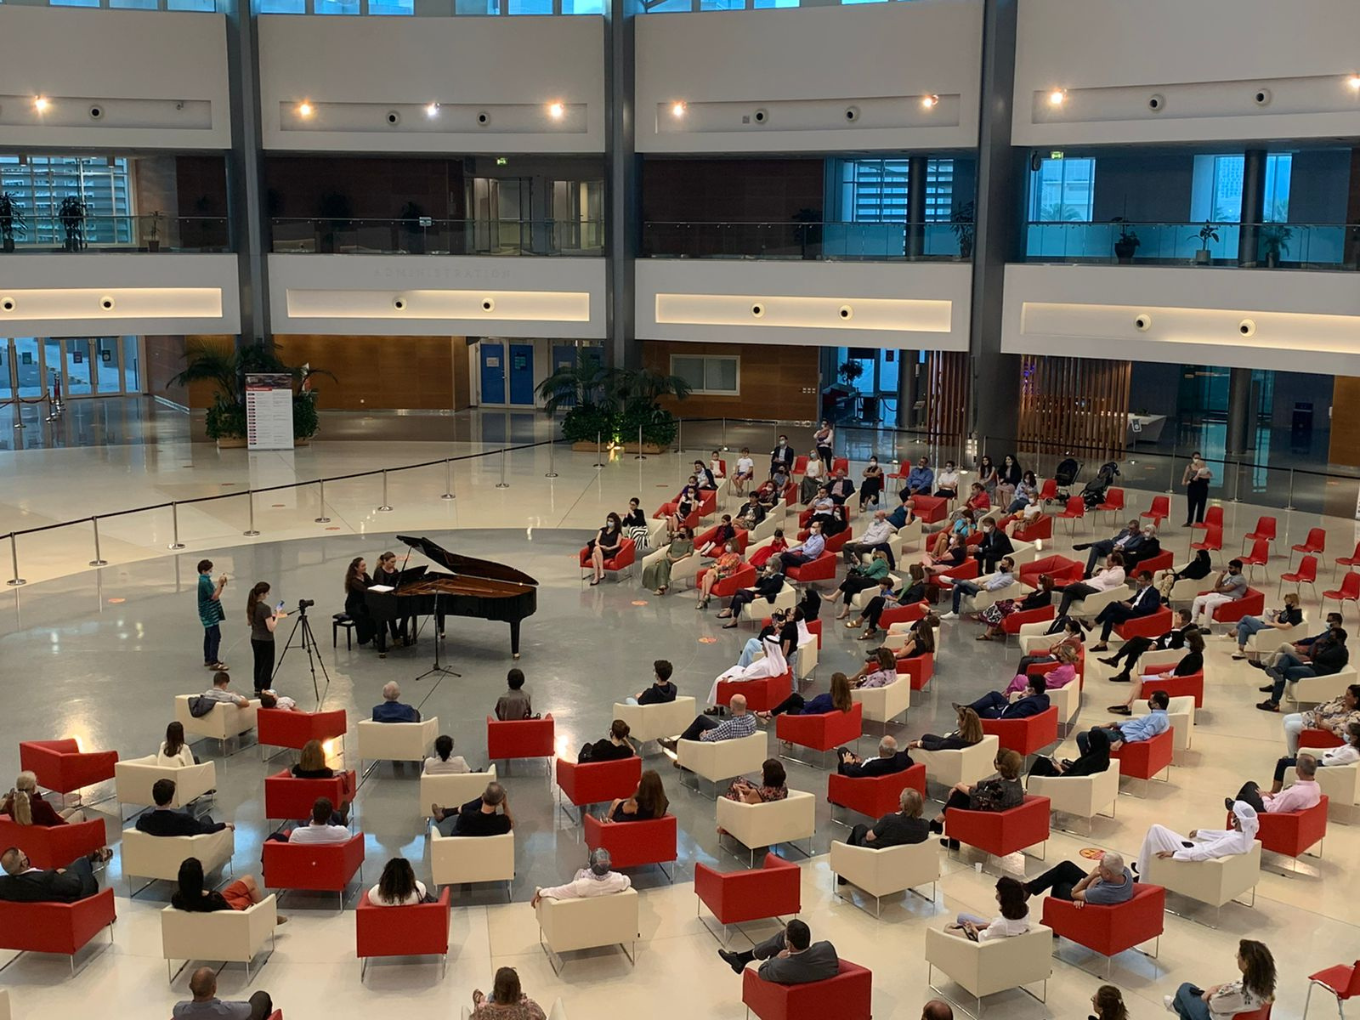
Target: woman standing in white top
{"type": "Point", "coordinates": [1013, 919]}
{"type": "Point", "coordinates": [174, 753]}
{"type": "Point", "coordinates": [398, 886]}
{"type": "Point", "coordinates": [445, 762]}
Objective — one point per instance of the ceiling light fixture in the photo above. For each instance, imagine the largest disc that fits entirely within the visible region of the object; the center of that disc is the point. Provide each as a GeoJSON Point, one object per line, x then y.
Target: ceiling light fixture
{"type": "Point", "coordinates": [929, 102]}
{"type": "Point", "coordinates": [1057, 97]}
{"type": "Point", "coordinates": [40, 103]}
{"type": "Point", "coordinates": [304, 109]}
{"type": "Point", "coordinates": [556, 111]}
{"type": "Point", "coordinates": [432, 110]}
{"type": "Point", "coordinates": [1354, 82]}
{"type": "Point", "coordinates": [678, 108]}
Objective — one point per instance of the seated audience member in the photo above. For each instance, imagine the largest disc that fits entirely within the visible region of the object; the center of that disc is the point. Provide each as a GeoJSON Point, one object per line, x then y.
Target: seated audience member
{"type": "Point", "coordinates": [784, 628]}
{"type": "Point", "coordinates": [1008, 479]}
{"type": "Point", "coordinates": [1202, 844]}
{"type": "Point", "coordinates": [874, 539]}
{"type": "Point", "coordinates": [841, 489]}
{"type": "Point", "coordinates": [1222, 1002]}
{"type": "Point", "coordinates": [1190, 663]}
{"type": "Point", "coordinates": [595, 879]}
{"type": "Point", "coordinates": [999, 581]}
{"type": "Point", "coordinates": [609, 539]}
{"type": "Point", "coordinates": [723, 567]}
{"type": "Point", "coordinates": [1055, 679]}
{"type": "Point", "coordinates": [1108, 1003]}
{"type": "Point", "coordinates": [506, 1001]}
{"type": "Point", "coordinates": [978, 502]}
{"type": "Point", "coordinates": [445, 762]}
{"type": "Point", "coordinates": [193, 894]}
{"type": "Point", "coordinates": [724, 534]}
{"type": "Point", "coordinates": [272, 699]}
{"type": "Point", "coordinates": [770, 492]}
{"type": "Point", "coordinates": [648, 802]}
{"type": "Point", "coordinates": [1022, 704]}
{"type": "Point", "coordinates": [634, 523]}
{"type": "Point", "coordinates": [900, 828]}
{"type": "Point", "coordinates": [1304, 794]}
{"type": "Point", "coordinates": [23, 883]}
{"type": "Point", "coordinates": [778, 544]}
{"type": "Point", "coordinates": [205, 1003]}
{"type": "Point", "coordinates": [1327, 656]}
{"type": "Point", "coordinates": [1132, 650]}
{"type": "Point", "coordinates": [860, 577]}
{"type": "Point", "coordinates": [903, 514]}
{"type": "Point", "coordinates": [1144, 602]}
{"type": "Point", "coordinates": [398, 886]}
{"type": "Point", "coordinates": [994, 544]}
{"type": "Point", "coordinates": [967, 732]}
{"type": "Point", "coordinates": [739, 723]}
{"type": "Point", "coordinates": [715, 465]}
{"type": "Point", "coordinates": [322, 827]}
{"type": "Point", "coordinates": [1026, 492]}
{"type": "Point", "coordinates": [168, 821]}
{"type": "Point", "coordinates": [662, 691]}
{"type": "Point", "coordinates": [704, 476]}
{"type": "Point", "coordinates": [1107, 578]}
{"type": "Point", "coordinates": [813, 477]}
{"type": "Point", "coordinates": [782, 456]}
{"type": "Point", "coordinates": [947, 481]}
{"type": "Point", "coordinates": [954, 557]}
{"type": "Point", "coordinates": [614, 747]}
{"type": "Point", "coordinates": [392, 710]}
{"type": "Point", "coordinates": [961, 525]}
{"type": "Point", "coordinates": [26, 806]}
{"type": "Point", "coordinates": [220, 691]}
{"type": "Point", "coordinates": [791, 957]}
{"type": "Point", "coordinates": [1295, 648]}
{"type": "Point", "coordinates": [656, 575]}
{"type": "Point", "coordinates": [808, 550]}
{"type": "Point", "coordinates": [1230, 586]}
{"type": "Point", "coordinates": [1013, 919]}
{"type": "Point", "coordinates": [1199, 567]}
{"type": "Point", "coordinates": [836, 700]}
{"type": "Point", "coordinates": [312, 762]}
{"type": "Point", "coordinates": [912, 590]}
{"type": "Point", "coordinates": [1287, 616]}
{"type": "Point", "coordinates": [889, 760]}
{"type": "Point", "coordinates": [773, 664]}
{"type": "Point", "coordinates": [1065, 631]}
{"type": "Point", "coordinates": [174, 751]}
{"type": "Point", "coordinates": [1109, 882]}
{"type": "Point", "coordinates": [1125, 542]}
{"type": "Point", "coordinates": [751, 514]}
{"type": "Point", "coordinates": [1139, 728]}
{"type": "Point", "coordinates": [872, 484]}
{"type": "Point", "coordinates": [879, 670]}
{"type": "Point", "coordinates": [1040, 598]}
{"type": "Point", "coordinates": [773, 785]}
{"type": "Point", "coordinates": [1000, 791]}
{"type": "Point", "coordinates": [1347, 754]}
{"type": "Point", "coordinates": [938, 1009]}
{"type": "Point", "coordinates": [488, 815]}
{"type": "Point", "coordinates": [1149, 548]}
{"type": "Point", "coordinates": [514, 705]}
{"type": "Point", "coordinates": [768, 585]}
{"type": "Point", "coordinates": [920, 480]}
{"type": "Point", "coordinates": [1095, 759]}
{"type": "Point", "coordinates": [745, 471]}
{"type": "Point", "coordinates": [1334, 717]}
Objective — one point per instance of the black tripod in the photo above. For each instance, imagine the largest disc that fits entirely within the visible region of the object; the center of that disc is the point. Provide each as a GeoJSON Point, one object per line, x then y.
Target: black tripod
{"type": "Point", "coordinates": [437, 668]}
{"type": "Point", "coordinates": [309, 646]}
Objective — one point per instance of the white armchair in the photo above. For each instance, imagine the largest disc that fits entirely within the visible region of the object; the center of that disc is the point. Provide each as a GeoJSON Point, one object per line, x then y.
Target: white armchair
{"type": "Point", "coordinates": [907, 539]}
{"type": "Point", "coordinates": [134, 778]}
{"type": "Point", "coordinates": [984, 598]}
{"type": "Point", "coordinates": [1083, 796]}
{"type": "Point", "coordinates": [775, 821]}
{"type": "Point", "coordinates": [1034, 639]}
{"type": "Point", "coordinates": [236, 936]}
{"type": "Point", "coordinates": [861, 598]}
{"type": "Point", "coordinates": [949, 768]}
{"type": "Point", "coordinates": [1183, 590]}
{"type": "Point", "coordinates": [1024, 552]}
{"type": "Point", "coordinates": [1067, 699]}
{"type": "Point", "coordinates": [458, 859]}
{"type": "Point", "coordinates": [883, 704]}
{"type": "Point", "coordinates": [453, 790]}
{"type": "Point", "coordinates": [1340, 785]}
{"type": "Point", "coordinates": [652, 722]}
{"type": "Point", "coordinates": [885, 872]}
{"type": "Point", "coordinates": [1316, 690]}
{"type": "Point", "coordinates": [1272, 637]}
{"type": "Point", "coordinates": [221, 724]}
{"type": "Point", "coordinates": [1214, 882]}
{"type": "Point", "coordinates": [159, 857]}
{"type": "Point", "coordinates": [1181, 713]}
{"type": "Point", "coordinates": [396, 741]}
{"type": "Point", "coordinates": [1091, 605]}
{"type": "Point", "coordinates": [684, 570]}
{"type": "Point", "coordinates": [766, 528]}
{"type": "Point", "coordinates": [716, 760]}
{"type": "Point", "coordinates": [568, 925]}
{"type": "Point", "coordinates": [985, 968]}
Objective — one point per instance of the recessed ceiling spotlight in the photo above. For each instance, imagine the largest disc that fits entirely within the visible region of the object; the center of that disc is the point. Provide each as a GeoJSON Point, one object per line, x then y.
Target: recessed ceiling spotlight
{"type": "Point", "coordinates": [304, 109]}
{"type": "Point", "coordinates": [40, 103]}
{"type": "Point", "coordinates": [1354, 82]}
{"type": "Point", "coordinates": [678, 108]}
{"type": "Point", "coordinates": [432, 110]}
{"type": "Point", "coordinates": [1057, 97]}
{"type": "Point", "coordinates": [929, 102]}
{"type": "Point", "coordinates": [556, 111]}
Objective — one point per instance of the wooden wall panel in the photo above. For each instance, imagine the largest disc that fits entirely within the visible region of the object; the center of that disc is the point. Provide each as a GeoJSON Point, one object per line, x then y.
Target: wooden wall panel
{"type": "Point", "coordinates": [378, 372]}
{"type": "Point", "coordinates": [164, 361]}
{"type": "Point", "coordinates": [1076, 404]}
{"type": "Point", "coordinates": [774, 379]}
{"type": "Point", "coordinates": [946, 393]}
{"type": "Point", "coordinates": [1345, 443]}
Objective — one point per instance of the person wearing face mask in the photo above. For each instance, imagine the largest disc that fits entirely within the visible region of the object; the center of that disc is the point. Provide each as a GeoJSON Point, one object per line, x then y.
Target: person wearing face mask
{"type": "Point", "coordinates": [1229, 587]}
{"type": "Point", "coordinates": [726, 532]}
{"type": "Point", "coordinates": [768, 586]}
{"type": "Point", "coordinates": [994, 545]}
{"type": "Point", "coordinates": [703, 476]}
{"type": "Point", "coordinates": [781, 457]}
{"type": "Point", "coordinates": [813, 475]}
{"type": "Point", "coordinates": [685, 502]}
{"type": "Point", "coordinates": [1195, 480]}
{"type": "Point", "coordinates": [872, 484]}
{"type": "Point", "coordinates": [725, 566]}
{"type": "Point", "coordinates": [947, 481]}
{"type": "Point", "coordinates": [920, 480]}
{"type": "Point", "coordinates": [825, 441]}
{"type": "Point", "coordinates": [750, 515]}
{"type": "Point", "coordinates": [606, 543]}
{"type": "Point", "coordinates": [635, 523]}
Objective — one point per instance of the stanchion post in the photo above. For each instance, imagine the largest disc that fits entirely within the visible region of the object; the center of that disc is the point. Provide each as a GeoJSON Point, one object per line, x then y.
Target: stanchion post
{"type": "Point", "coordinates": [723, 445]}
{"type": "Point", "coordinates": [552, 443]}
{"type": "Point", "coordinates": [175, 543]}
{"type": "Point", "coordinates": [250, 532]}
{"type": "Point", "coordinates": [448, 480]}
{"type": "Point", "coordinates": [599, 449]}
{"type": "Point", "coordinates": [680, 435]}
{"type": "Point", "coordinates": [1289, 501]}
{"type": "Point", "coordinates": [321, 496]}
{"type": "Point", "coordinates": [15, 580]}
{"type": "Point", "coordinates": [386, 507]}
{"type": "Point", "coordinates": [98, 560]}
{"type": "Point", "coordinates": [502, 484]}
{"type": "Point", "coordinates": [639, 453]}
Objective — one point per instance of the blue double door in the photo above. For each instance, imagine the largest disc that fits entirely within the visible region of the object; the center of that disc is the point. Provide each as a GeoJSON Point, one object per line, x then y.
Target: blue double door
{"type": "Point", "coordinates": [507, 373]}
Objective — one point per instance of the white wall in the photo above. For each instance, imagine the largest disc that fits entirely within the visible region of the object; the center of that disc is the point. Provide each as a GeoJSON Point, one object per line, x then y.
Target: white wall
{"type": "Point", "coordinates": [1207, 59]}
{"type": "Point", "coordinates": [355, 71]}
{"type": "Point", "coordinates": [805, 67]}
{"type": "Point", "coordinates": [64, 295]}
{"type": "Point", "coordinates": [1303, 321]}
{"type": "Point", "coordinates": [357, 295]}
{"type": "Point", "coordinates": [916, 305]}
{"type": "Point", "coordinates": [159, 79]}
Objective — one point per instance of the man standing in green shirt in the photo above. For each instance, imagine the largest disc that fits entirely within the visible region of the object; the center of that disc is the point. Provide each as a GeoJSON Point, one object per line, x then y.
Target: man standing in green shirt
{"type": "Point", "coordinates": [210, 613]}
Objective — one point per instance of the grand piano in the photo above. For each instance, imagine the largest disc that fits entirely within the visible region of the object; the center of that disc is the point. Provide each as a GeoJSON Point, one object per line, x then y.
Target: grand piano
{"type": "Point", "coordinates": [475, 588]}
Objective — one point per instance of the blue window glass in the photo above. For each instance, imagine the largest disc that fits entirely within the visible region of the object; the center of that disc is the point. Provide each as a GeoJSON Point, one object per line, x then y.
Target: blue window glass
{"type": "Point", "coordinates": [191, 5]}
{"type": "Point", "coordinates": [392, 7]}
{"type": "Point", "coordinates": [582, 6]}
{"type": "Point", "coordinates": [1062, 191]}
{"type": "Point", "coordinates": [1216, 192]}
{"type": "Point", "coordinates": [476, 7]}
{"type": "Point", "coordinates": [722, 5]}
{"type": "Point", "coordinates": [666, 6]}
{"type": "Point", "coordinates": [74, 3]}
{"type": "Point", "coordinates": [335, 7]}
{"type": "Point", "coordinates": [761, 5]}
{"type": "Point", "coordinates": [280, 7]}
{"type": "Point", "coordinates": [531, 7]}
{"type": "Point", "coordinates": [142, 5]}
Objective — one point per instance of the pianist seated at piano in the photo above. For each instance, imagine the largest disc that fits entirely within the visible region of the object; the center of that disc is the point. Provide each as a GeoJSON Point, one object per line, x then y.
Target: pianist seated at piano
{"type": "Point", "coordinates": [391, 709]}
{"type": "Point", "coordinates": [356, 603]}
{"type": "Point", "coordinates": [514, 704]}
{"type": "Point", "coordinates": [445, 762]}
{"type": "Point", "coordinates": [388, 577]}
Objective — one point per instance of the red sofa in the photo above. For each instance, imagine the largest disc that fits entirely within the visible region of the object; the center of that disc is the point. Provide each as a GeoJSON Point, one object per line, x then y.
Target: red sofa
{"type": "Point", "coordinates": [822, 731]}
{"type": "Point", "coordinates": [930, 509]}
{"type": "Point", "coordinates": [1253, 603]}
{"type": "Point", "coordinates": [1060, 568]}
{"type": "Point", "coordinates": [1293, 833]}
{"type": "Point", "coordinates": [1028, 735]}
{"type": "Point", "coordinates": [847, 996]}
{"type": "Point", "coordinates": [277, 728]}
{"type": "Point", "coordinates": [286, 796]}
{"type": "Point", "coordinates": [1110, 929]}
{"type": "Point", "coordinates": [1146, 758]}
{"type": "Point", "coordinates": [522, 738]}
{"type": "Point", "coordinates": [823, 568]}
{"type": "Point", "coordinates": [1011, 624]}
{"type": "Point", "coordinates": [593, 782]}
{"type": "Point", "coordinates": [968, 570]}
{"type": "Point", "coordinates": [743, 577]}
{"type": "Point", "coordinates": [621, 560]}
{"type": "Point", "coordinates": [919, 667]}
{"type": "Point", "coordinates": [1150, 626]}
{"type": "Point", "coordinates": [743, 538]}
{"type": "Point", "coordinates": [909, 613]}
{"type": "Point", "coordinates": [633, 844]}
{"type": "Point", "coordinates": [60, 765]}
{"type": "Point", "coordinates": [323, 867]}
{"type": "Point", "coordinates": [55, 927]}
{"type": "Point", "coordinates": [875, 796]}
{"type": "Point", "coordinates": [1041, 528]}
{"type": "Point", "coordinates": [55, 846]}
{"type": "Point", "coordinates": [418, 930]}
{"type": "Point", "coordinates": [1176, 686]}
{"type": "Point", "coordinates": [1164, 560]}
{"type": "Point", "coordinates": [772, 890]}
{"type": "Point", "coordinates": [761, 695]}
{"type": "Point", "coordinates": [1319, 738]}
{"type": "Point", "coordinates": [1000, 832]}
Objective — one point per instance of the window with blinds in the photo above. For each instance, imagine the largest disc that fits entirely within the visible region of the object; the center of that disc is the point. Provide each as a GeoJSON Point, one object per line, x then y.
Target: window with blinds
{"type": "Point", "coordinates": [875, 190]}
{"type": "Point", "coordinates": [40, 183]}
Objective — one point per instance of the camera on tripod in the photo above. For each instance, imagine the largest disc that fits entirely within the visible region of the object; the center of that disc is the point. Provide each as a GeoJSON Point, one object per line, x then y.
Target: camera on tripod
{"type": "Point", "coordinates": [305, 604]}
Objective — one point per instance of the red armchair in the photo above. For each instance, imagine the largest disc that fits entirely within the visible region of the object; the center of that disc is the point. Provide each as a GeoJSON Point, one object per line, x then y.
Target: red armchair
{"type": "Point", "coordinates": [324, 867]}
{"type": "Point", "coordinates": [1150, 626]}
{"type": "Point", "coordinates": [1319, 738]}
{"type": "Point", "coordinates": [55, 846]}
{"type": "Point", "coordinates": [909, 613]}
{"type": "Point", "coordinates": [286, 796]}
{"type": "Point", "coordinates": [1060, 568]}
{"type": "Point", "coordinates": [421, 929]}
{"type": "Point", "coordinates": [55, 927]}
{"type": "Point", "coordinates": [821, 731]}
{"type": "Point", "coordinates": [761, 695]}
{"type": "Point", "coordinates": [633, 844]}
{"type": "Point", "coordinates": [1028, 735]}
{"type": "Point", "coordinates": [743, 538]}
{"type": "Point", "coordinates": [847, 996]}
{"type": "Point", "coordinates": [874, 796]}
{"type": "Point", "coordinates": [930, 509]}
{"type": "Point", "coordinates": [621, 560]}
{"type": "Point", "coordinates": [593, 782]}
{"type": "Point", "coordinates": [1164, 560]}
{"type": "Point", "coordinates": [60, 765]}
{"type": "Point", "coordinates": [743, 577]}
{"type": "Point", "coordinates": [1176, 686]}
{"type": "Point", "coordinates": [522, 738]}
{"type": "Point", "coordinates": [1253, 603]}
{"type": "Point", "coordinates": [277, 728]}
{"type": "Point", "coordinates": [813, 626]}
{"type": "Point", "coordinates": [1000, 832]}
{"type": "Point", "coordinates": [772, 890]}
{"type": "Point", "coordinates": [1011, 624]}
{"type": "Point", "coordinates": [1146, 758]}
{"type": "Point", "coordinates": [823, 568]}
{"type": "Point", "coordinates": [1039, 528]}
{"type": "Point", "coordinates": [919, 667]}
{"type": "Point", "coordinates": [967, 571]}
{"type": "Point", "coordinates": [1110, 929]}
{"type": "Point", "coordinates": [1294, 833]}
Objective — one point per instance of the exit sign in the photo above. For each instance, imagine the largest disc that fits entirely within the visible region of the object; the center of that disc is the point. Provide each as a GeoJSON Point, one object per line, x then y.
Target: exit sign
{"type": "Point", "coordinates": [1056, 154]}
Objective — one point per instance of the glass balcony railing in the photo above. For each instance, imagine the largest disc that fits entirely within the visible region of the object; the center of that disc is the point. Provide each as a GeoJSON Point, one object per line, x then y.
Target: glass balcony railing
{"type": "Point", "coordinates": [38, 235]}
{"type": "Point", "coordinates": [914, 242]}
{"type": "Point", "coordinates": [428, 236]}
{"type": "Point", "coordinates": [1293, 245]}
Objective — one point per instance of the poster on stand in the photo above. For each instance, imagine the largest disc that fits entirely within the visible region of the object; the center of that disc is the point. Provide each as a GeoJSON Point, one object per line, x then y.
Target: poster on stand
{"type": "Point", "coordinates": [269, 411]}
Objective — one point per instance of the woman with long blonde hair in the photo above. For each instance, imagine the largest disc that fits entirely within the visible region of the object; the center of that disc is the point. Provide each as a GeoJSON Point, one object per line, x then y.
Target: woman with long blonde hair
{"type": "Point", "coordinates": [26, 806]}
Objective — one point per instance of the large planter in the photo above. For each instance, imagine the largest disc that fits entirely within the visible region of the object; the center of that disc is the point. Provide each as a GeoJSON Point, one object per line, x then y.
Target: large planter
{"type": "Point", "coordinates": [585, 447]}
{"type": "Point", "coordinates": [1202, 257]}
{"type": "Point", "coordinates": [232, 443]}
{"type": "Point", "coordinates": [1124, 252]}
{"type": "Point", "coordinates": [646, 448]}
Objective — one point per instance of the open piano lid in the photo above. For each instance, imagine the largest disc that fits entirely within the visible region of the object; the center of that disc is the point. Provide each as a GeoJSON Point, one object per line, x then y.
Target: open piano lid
{"type": "Point", "coordinates": [460, 564]}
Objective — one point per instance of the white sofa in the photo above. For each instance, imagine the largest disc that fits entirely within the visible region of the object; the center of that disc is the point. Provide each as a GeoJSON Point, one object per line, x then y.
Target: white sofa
{"type": "Point", "coordinates": [770, 823]}
{"type": "Point", "coordinates": [1340, 785]}
{"type": "Point", "coordinates": [159, 857]}
{"type": "Point", "coordinates": [568, 925]}
{"type": "Point", "coordinates": [236, 936]}
{"type": "Point", "coordinates": [1097, 670]}
{"type": "Point", "coordinates": [862, 597]}
{"type": "Point", "coordinates": [1067, 699]}
{"type": "Point", "coordinates": [652, 722]}
{"type": "Point", "coordinates": [1317, 690]}
{"type": "Point", "coordinates": [949, 768]}
{"type": "Point", "coordinates": [1271, 638]}
{"type": "Point", "coordinates": [885, 872]}
{"type": "Point", "coordinates": [773, 520]}
{"type": "Point", "coordinates": [400, 741]}
{"type": "Point", "coordinates": [985, 599]}
{"type": "Point", "coordinates": [457, 859]}
{"type": "Point", "coordinates": [684, 570]}
{"type": "Point", "coordinates": [1083, 796]}
{"type": "Point", "coordinates": [883, 704]}
{"type": "Point", "coordinates": [717, 760]}
{"type": "Point", "coordinates": [1091, 605]}
{"type": "Point", "coordinates": [1181, 712]}
{"type": "Point", "coordinates": [222, 723]}
{"type": "Point", "coordinates": [1214, 882]}
{"type": "Point", "coordinates": [453, 790]}
{"type": "Point", "coordinates": [997, 965]}
{"type": "Point", "coordinates": [1034, 640]}
{"type": "Point", "coordinates": [134, 778]}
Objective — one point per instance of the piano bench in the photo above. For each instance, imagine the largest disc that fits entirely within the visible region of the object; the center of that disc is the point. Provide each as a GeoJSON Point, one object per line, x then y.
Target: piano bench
{"type": "Point", "coordinates": [342, 620]}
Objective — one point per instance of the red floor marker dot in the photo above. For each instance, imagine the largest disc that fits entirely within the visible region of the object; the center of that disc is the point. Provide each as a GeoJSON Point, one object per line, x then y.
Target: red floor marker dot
{"type": "Point", "coordinates": [708, 641]}
{"type": "Point", "coordinates": [640, 602]}
{"type": "Point", "coordinates": [333, 528]}
{"type": "Point", "coordinates": [276, 506]}
{"type": "Point", "coordinates": [1092, 853]}
{"type": "Point", "coordinates": [114, 602]}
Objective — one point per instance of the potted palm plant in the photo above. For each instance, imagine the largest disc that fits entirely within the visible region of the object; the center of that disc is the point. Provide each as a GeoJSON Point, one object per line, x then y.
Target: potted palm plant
{"type": "Point", "coordinates": [12, 222]}
{"type": "Point", "coordinates": [610, 405]}
{"type": "Point", "coordinates": [1126, 243]}
{"type": "Point", "coordinates": [1207, 233]}
{"type": "Point", "coordinates": [153, 232]}
{"type": "Point", "coordinates": [71, 214]}
{"type": "Point", "coordinates": [1275, 242]}
{"type": "Point", "coordinates": [963, 225]}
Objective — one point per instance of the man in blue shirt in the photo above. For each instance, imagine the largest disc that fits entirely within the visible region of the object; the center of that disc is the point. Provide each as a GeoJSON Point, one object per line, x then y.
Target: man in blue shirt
{"type": "Point", "coordinates": [1137, 729]}
{"type": "Point", "coordinates": [920, 480]}
{"type": "Point", "coordinates": [1110, 881]}
{"type": "Point", "coordinates": [812, 547]}
{"type": "Point", "coordinates": [210, 614]}
{"type": "Point", "coordinates": [391, 709]}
